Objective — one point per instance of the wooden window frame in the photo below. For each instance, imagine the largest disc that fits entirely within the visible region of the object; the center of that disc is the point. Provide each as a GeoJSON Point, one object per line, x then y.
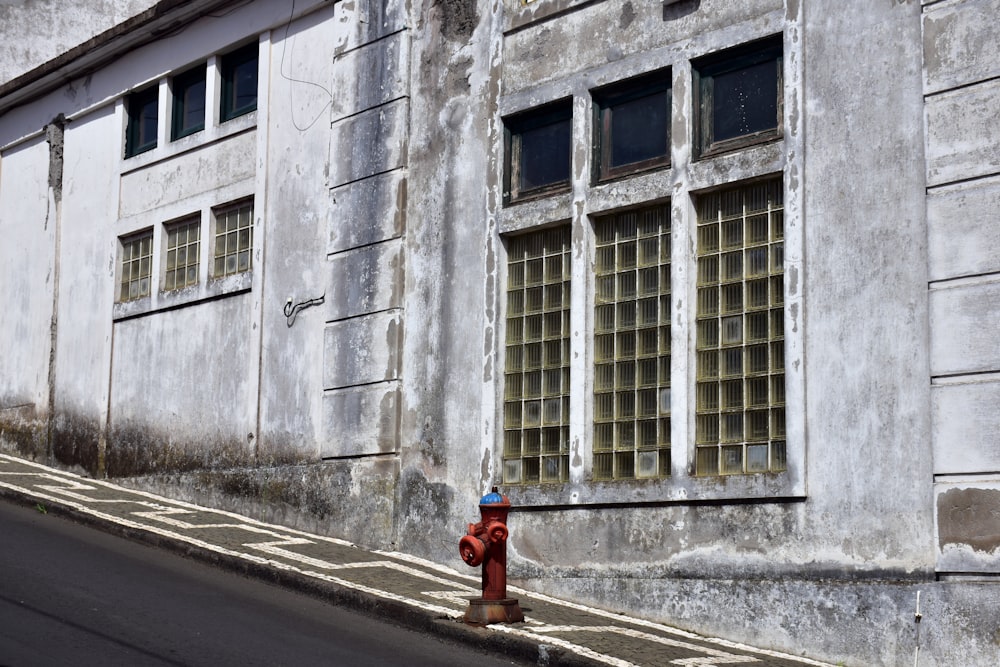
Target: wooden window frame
{"type": "Point", "coordinates": [605, 101]}
{"type": "Point", "coordinates": [514, 126]}
{"type": "Point", "coordinates": [705, 70]}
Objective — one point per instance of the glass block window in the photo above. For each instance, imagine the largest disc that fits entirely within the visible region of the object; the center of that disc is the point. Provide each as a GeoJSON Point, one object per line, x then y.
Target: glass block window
{"type": "Point", "coordinates": [233, 239]}
{"type": "Point", "coordinates": [137, 260]}
{"type": "Point", "coordinates": [740, 403]}
{"type": "Point", "coordinates": [632, 345]}
{"type": "Point", "coordinates": [183, 245]}
{"type": "Point", "coordinates": [536, 377]}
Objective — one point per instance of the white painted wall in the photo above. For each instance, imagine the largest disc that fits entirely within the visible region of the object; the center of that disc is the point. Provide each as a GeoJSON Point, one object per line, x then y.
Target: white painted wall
{"type": "Point", "coordinates": [27, 226]}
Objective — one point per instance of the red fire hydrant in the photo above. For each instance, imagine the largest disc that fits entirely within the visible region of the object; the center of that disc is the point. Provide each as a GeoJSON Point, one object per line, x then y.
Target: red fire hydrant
{"type": "Point", "coordinates": [486, 544]}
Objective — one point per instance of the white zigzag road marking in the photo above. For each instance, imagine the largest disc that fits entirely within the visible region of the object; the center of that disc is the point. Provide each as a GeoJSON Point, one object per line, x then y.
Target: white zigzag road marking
{"type": "Point", "coordinates": [252, 525]}
{"type": "Point", "coordinates": [717, 657]}
{"type": "Point", "coordinates": [456, 597]}
{"type": "Point", "coordinates": [235, 554]}
{"type": "Point", "coordinates": [562, 643]}
{"type": "Point", "coordinates": [274, 548]}
{"type": "Point", "coordinates": [160, 501]}
{"type": "Point", "coordinates": [165, 515]}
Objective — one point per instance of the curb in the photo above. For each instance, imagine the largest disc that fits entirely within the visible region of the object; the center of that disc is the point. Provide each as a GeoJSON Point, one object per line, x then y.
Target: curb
{"type": "Point", "coordinates": [392, 611]}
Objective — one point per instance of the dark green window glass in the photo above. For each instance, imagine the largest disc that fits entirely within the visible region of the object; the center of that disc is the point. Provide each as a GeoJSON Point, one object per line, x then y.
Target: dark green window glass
{"type": "Point", "coordinates": [140, 133]}
{"type": "Point", "coordinates": [239, 83]}
{"type": "Point", "coordinates": [189, 103]}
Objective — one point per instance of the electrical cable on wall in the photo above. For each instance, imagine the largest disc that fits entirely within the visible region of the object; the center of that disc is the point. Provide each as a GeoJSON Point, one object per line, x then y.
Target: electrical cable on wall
{"type": "Point", "coordinates": [292, 310]}
{"type": "Point", "coordinates": [288, 77]}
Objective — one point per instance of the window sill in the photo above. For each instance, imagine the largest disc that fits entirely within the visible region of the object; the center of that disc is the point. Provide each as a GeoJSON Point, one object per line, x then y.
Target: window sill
{"type": "Point", "coordinates": [739, 143]}
{"type": "Point", "coordinates": [763, 487]}
{"type": "Point", "coordinates": [190, 142]}
{"type": "Point", "coordinates": [526, 213]}
{"type": "Point", "coordinates": [186, 296]}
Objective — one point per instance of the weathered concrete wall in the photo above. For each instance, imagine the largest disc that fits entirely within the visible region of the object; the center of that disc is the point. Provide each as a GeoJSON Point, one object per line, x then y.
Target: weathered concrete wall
{"type": "Point", "coordinates": [294, 214]}
{"type": "Point", "coordinates": [962, 97]}
{"type": "Point", "coordinates": [864, 402]}
{"type": "Point", "coordinates": [365, 227]}
{"type": "Point", "coordinates": [35, 31]}
{"type": "Point", "coordinates": [374, 161]}
{"type": "Point", "coordinates": [179, 390]}
{"type": "Point", "coordinates": [28, 223]}
{"type": "Point", "coordinates": [88, 255]}
{"type": "Point", "coordinates": [444, 466]}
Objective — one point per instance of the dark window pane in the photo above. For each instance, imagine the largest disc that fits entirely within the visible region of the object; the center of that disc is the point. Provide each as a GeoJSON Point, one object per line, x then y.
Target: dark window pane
{"type": "Point", "coordinates": [245, 85]}
{"type": "Point", "coordinates": [745, 101]}
{"type": "Point", "coordinates": [189, 104]}
{"type": "Point", "coordinates": [147, 123]}
{"type": "Point", "coordinates": [239, 82]}
{"type": "Point", "coordinates": [194, 106]}
{"type": "Point", "coordinates": [545, 155]}
{"type": "Point", "coordinates": [639, 130]}
{"type": "Point", "coordinates": [140, 134]}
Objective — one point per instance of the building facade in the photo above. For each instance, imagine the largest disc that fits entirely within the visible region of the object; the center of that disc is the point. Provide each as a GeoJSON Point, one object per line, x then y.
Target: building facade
{"type": "Point", "coordinates": [705, 286]}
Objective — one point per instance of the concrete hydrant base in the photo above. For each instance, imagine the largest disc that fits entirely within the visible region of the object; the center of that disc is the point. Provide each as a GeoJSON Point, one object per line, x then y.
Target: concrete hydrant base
{"type": "Point", "coordinates": [485, 612]}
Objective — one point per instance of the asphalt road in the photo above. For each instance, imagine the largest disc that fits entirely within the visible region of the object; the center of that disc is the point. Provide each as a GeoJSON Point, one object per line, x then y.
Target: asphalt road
{"type": "Point", "coordinates": [72, 595]}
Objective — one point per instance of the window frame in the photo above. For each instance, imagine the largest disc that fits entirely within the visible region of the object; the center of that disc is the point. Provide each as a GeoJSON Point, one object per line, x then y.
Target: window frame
{"type": "Point", "coordinates": [707, 68]}
{"type": "Point", "coordinates": [558, 111]}
{"type": "Point", "coordinates": [125, 242]}
{"type": "Point", "coordinates": [605, 100]}
{"type": "Point", "coordinates": [740, 280]}
{"type": "Point", "coordinates": [169, 229]}
{"type": "Point", "coordinates": [135, 105]}
{"type": "Point", "coordinates": [180, 84]}
{"type": "Point", "coordinates": [218, 213]}
{"type": "Point", "coordinates": [537, 356]}
{"type": "Point", "coordinates": [228, 64]}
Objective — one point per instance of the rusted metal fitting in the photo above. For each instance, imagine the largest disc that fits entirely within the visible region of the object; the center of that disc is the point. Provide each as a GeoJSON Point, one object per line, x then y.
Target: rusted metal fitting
{"type": "Point", "coordinates": [486, 545]}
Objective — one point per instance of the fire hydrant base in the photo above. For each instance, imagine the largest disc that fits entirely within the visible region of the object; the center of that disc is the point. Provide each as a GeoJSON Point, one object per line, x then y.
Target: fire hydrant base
{"type": "Point", "coordinates": [487, 612]}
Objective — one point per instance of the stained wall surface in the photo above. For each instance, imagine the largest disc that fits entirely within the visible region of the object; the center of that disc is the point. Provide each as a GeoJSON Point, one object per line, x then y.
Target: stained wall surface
{"type": "Point", "coordinates": [355, 380]}
{"type": "Point", "coordinates": [963, 167]}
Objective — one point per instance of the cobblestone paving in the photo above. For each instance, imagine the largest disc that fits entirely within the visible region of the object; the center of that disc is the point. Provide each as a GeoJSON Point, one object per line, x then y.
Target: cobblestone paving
{"type": "Point", "coordinates": [601, 636]}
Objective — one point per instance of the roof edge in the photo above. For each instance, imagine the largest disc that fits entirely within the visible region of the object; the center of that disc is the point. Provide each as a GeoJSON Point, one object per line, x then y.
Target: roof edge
{"type": "Point", "coordinates": [162, 18]}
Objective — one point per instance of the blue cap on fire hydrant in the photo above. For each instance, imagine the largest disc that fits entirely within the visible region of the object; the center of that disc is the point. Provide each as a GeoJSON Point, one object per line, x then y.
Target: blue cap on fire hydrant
{"type": "Point", "coordinates": [492, 498]}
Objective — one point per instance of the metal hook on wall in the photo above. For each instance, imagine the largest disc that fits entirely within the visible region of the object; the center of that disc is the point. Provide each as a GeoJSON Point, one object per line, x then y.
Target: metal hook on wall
{"type": "Point", "coordinates": [292, 311]}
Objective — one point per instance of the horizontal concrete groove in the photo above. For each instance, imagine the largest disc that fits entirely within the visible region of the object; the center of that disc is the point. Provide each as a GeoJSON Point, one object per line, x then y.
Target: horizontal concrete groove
{"type": "Point", "coordinates": [332, 391]}
{"type": "Point", "coordinates": [363, 246]}
{"type": "Point", "coordinates": [362, 315]}
{"type": "Point", "coordinates": [970, 280]}
{"type": "Point", "coordinates": [965, 477]}
{"type": "Point", "coordinates": [352, 457]}
{"type": "Point", "coordinates": [944, 185]}
{"type": "Point", "coordinates": [361, 112]}
{"type": "Point", "coordinates": [960, 87]}
{"type": "Point", "coordinates": [402, 170]}
{"type": "Point", "coordinates": [971, 377]}
{"type": "Point", "coordinates": [340, 54]}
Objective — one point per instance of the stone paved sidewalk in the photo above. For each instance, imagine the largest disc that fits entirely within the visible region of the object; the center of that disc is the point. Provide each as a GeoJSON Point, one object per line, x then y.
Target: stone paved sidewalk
{"type": "Point", "coordinates": [403, 588]}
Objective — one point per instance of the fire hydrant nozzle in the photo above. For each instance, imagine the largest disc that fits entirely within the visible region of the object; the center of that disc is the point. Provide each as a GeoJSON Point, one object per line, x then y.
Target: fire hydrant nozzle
{"type": "Point", "coordinates": [486, 545]}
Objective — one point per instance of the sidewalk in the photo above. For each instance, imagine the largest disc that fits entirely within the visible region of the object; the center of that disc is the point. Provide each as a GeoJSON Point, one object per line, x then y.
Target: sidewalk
{"type": "Point", "coordinates": [405, 589]}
